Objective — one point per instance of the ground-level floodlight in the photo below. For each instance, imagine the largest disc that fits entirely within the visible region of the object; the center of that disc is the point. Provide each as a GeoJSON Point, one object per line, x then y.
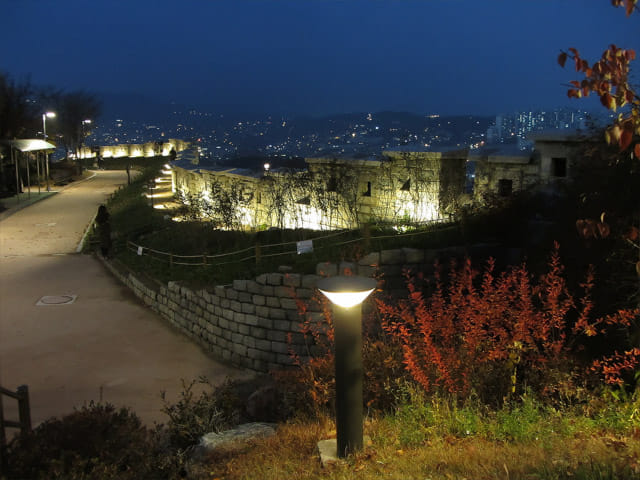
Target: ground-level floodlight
{"type": "Point", "coordinates": [346, 294]}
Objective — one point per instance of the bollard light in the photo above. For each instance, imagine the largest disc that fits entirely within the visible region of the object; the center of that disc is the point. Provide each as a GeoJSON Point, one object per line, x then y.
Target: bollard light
{"type": "Point", "coordinates": [346, 294]}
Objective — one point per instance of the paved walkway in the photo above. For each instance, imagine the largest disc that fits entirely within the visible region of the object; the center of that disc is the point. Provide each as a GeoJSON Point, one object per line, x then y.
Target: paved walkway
{"type": "Point", "coordinates": [105, 345]}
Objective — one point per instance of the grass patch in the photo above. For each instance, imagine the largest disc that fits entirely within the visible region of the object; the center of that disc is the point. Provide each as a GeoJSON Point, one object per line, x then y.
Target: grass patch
{"type": "Point", "coordinates": [590, 454]}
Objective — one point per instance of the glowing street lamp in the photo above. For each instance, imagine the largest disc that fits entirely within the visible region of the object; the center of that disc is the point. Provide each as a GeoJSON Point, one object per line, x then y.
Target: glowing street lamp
{"type": "Point", "coordinates": [44, 122]}
{"type": "Point", "coordinates": [346, 294]}
{"type": "Point", "coordinates": [46, 115]}
{"type": "Point", "coordinates": [84, 122]}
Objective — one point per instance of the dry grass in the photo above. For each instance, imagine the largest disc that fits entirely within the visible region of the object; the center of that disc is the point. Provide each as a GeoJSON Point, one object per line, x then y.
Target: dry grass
{"type": "Point", "coordinates": [292, 454]}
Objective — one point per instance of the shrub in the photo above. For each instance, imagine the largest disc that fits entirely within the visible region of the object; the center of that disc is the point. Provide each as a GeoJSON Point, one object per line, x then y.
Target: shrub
{"type": "Point", "coordinates": [486, 331]}
{"type": "Point", "coordinates": [213, 410]}
{"type": "Point", "coordinates": [96, 442]}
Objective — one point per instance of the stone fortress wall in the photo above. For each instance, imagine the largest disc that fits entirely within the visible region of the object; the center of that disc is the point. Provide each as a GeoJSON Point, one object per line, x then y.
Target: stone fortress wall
{"type": "Point", "coordinates": [134, 150]}
{"type": "Point", "coordinates": [254, 324]}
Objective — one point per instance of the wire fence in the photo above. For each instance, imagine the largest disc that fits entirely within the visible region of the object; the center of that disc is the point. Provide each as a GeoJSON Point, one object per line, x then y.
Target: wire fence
{"type": "Point", "coordinates": [264, 252]}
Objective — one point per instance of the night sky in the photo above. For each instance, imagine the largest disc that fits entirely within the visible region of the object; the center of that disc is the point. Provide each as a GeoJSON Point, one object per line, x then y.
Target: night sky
{"type": "Point", "coordinates": [314, 56]}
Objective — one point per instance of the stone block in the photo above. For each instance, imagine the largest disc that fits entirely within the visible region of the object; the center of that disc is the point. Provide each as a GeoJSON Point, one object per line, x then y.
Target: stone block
{"type": "Point", "coordinates": [284, 359]}
{"type": "Point", "coordinates": [232, 294]}
{"type": "Point", "coordinates": [284, 292]}
{"type": "Point", "coordinates": [264, 345]}
{"type": "Point", "coordinates": [244, 329]}
{"type": "Point", "coordinates": [280, 347]}
{"type": "Point", "coordinates": [250, 319]}
{"type": "Point", "coordinates": [240, 285]}
{"type": "Point", "coordinates": [277, 336]}
{"type": "Point", "coordinates": [268, 291]}
{"type": "Point", "coordinates": [274, 279]}
{"type": "Point", "coordinates": [258, 332]}
{"type": "Point", "coordinates": [253, 287]}
{"type": "Point", "coordinates": [292, 280]}
{"type": "Point", "coordinates": [413, 255]}
{"type": "Point", "coordinates": [309, 281]}
{"type": "Point", "coordinates": [347, 268]}
{"type": "Point", "coordinates": [238, 317]}
{"type": "Point", "coordinates": [248, 308]}
{"type": "Point", "coordinates": [277, 314]}
{"type": "Point", "coordinates": [249, 342]}
{"type": "Point", "coordinates": [223, 323]}
{"type": "Point", "coordinates": [265, 323]}
{"type": "Point", "coordinates": [293, 315]}
{"type": "Point", "coordinates": [237, 338]}
{"type": "Point", "coordinates": [259, 365]}
{"type": "Point", "coordinates": [304, 293]}
{"type": "Point", "coordinates": [225, 302]}
{"type": "Point", "coordinates": [220, 291]}
{"type": "Point", "coordinates": [327, 269]}
{"type": "Point", "coordinates": [228, 314]}
{"type": "Point", "coordinates": [236, 306]}
{"type": "Point", "coordinates": [371, 259]}
{"type": "Point", "coordinates": [392, 257]}
{"type": "Point", "coordinates": [262, 279]}
{"type": "Point", "coordinates": [367, 271]}
{"type": "Point", "coordinates": [258, 300]}
{"type": "Point", "coordinates": [283, 325]}
{"type": "Point", "coordinates": [273, 302]}
{"type": "Point", "coordinates": [262, 311]}
{"type": "Point", "coordinates": [288, 303]}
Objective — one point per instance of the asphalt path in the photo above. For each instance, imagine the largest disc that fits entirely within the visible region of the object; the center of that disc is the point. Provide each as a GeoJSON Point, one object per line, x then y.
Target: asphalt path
{"type": "Point", "coordinates": [104, 345]}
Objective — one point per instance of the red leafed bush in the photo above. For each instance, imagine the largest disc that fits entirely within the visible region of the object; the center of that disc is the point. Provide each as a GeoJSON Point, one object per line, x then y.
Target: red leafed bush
{"type": "Point", "coordinates": [494, 333]}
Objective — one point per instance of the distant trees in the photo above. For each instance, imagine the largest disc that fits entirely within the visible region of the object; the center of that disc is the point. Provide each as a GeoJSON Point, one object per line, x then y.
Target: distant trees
{"type": "Point", "coordinates": [18, 113]}
{"type": "Point", "coordinates": [22, 105]}
{"type": "Point", "coordinates": [73, 109]}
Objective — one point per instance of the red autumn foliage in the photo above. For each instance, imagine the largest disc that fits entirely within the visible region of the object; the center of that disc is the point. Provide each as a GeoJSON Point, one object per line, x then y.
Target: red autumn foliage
{"type": "Point", "coordinates": [609, 79]}
{"type": "Point", "coordinates": [478, 322]}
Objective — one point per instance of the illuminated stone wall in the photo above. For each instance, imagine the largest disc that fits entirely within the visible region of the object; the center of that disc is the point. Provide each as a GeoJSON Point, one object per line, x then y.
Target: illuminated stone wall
{"type": "Point", "coordinates": [339, 193]}
{"type": "Point", "coordinates": [149, 149]}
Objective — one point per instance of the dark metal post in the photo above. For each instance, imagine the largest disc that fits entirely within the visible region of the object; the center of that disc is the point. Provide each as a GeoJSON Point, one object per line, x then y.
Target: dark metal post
{"type": "Point", "coordinates": [24, 409]}
{"type": "Point", "coordinates": [349, 372]}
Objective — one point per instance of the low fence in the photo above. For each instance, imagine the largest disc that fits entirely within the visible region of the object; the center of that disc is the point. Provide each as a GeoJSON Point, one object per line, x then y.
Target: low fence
{"type": "Point", "coordinates": [259, 252]}
{"type": "Point", "coordinates": [24, 416]}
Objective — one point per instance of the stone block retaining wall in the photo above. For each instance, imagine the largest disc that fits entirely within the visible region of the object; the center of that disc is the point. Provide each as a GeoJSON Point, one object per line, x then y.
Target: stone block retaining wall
{"type": "Point", "coordinates": [255, 324]}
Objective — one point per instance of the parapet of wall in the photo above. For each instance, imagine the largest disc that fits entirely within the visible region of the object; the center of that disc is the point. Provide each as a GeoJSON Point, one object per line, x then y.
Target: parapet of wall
{"type": "Point", "coordinates": [255, 324]}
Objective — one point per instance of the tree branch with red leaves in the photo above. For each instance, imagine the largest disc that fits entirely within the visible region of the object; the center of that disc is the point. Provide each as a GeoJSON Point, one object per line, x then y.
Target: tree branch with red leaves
{"type": "Point", "coordinates": [609, 79]}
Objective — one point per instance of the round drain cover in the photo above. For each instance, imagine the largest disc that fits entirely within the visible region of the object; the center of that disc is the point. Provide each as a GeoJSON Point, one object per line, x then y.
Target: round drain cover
{"type": "Point", "coordinates": [56, 299]}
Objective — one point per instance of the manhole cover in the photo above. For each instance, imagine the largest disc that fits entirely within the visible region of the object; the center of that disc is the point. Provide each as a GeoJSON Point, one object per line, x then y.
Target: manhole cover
{"type": "Point", "coordinates": [57, 300]}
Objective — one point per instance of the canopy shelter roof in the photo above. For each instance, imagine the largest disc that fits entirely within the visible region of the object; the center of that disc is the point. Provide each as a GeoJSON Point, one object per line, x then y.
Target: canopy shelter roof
{"type": "Point", "coordinates": [30, 144]}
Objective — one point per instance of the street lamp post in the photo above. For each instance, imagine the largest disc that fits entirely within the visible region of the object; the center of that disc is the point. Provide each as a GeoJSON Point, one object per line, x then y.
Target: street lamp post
{"type": "Point", "coordinates": [84, 122]}
{"type": "Point", "coordinates": [346, 294]}
{"type": "Point", "coordinates": [46, 115]}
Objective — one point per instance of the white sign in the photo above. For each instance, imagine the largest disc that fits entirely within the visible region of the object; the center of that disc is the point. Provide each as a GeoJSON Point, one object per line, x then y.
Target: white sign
{"type": "Point", "coordinates": [140, 251]}
{"type": "Point", "coordinates": [305, 246]}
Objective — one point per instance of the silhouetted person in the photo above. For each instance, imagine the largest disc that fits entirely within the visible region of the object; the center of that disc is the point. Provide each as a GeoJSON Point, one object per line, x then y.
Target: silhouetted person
{"type": "Point", "coordinates": [104, 230]}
